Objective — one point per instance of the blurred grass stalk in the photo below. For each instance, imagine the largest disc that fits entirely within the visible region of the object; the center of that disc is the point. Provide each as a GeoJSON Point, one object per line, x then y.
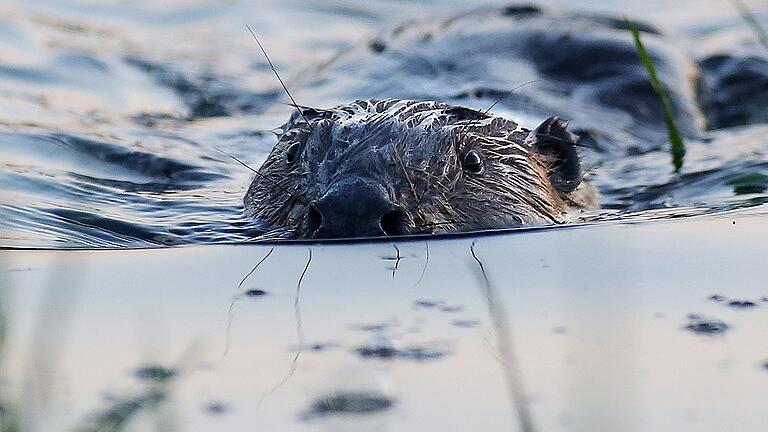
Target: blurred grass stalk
{"type": "Point", "coordinates": [677, 147]}
{"type": "Point", "coordinates": [9, 421]}
{"type": "Point", "coordinates": [752, 22]}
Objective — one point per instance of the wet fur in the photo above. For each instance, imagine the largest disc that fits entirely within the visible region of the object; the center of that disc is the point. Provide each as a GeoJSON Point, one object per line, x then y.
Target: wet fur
{"type": "Point", "coordinates": [413, 150]}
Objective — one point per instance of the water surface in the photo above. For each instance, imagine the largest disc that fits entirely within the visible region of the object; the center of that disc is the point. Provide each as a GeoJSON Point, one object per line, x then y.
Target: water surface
{"type": "Point", "coordinates": [111, 114]}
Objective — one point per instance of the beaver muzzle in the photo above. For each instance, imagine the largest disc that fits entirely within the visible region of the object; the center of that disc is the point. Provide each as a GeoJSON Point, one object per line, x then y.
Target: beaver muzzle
{"type": "Point", "coordinates": [356, 208]}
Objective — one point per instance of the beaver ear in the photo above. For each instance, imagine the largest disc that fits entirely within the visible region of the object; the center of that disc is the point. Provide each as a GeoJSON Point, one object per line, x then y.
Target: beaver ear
{"type": "Point", "coordinates": [556, 147]}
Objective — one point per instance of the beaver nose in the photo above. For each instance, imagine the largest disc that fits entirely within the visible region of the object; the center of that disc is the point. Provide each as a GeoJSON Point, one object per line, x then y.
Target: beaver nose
{"type": "Point", "coordinates": [355, 208]}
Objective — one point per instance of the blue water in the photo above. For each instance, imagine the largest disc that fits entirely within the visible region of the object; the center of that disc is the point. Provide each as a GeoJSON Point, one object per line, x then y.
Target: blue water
{"type": "Point", "coordinates": [112, 114]}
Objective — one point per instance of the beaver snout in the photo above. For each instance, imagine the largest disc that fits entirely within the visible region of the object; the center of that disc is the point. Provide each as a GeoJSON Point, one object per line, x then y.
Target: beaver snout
{"type": "Point", "coordinates": [356, 208]}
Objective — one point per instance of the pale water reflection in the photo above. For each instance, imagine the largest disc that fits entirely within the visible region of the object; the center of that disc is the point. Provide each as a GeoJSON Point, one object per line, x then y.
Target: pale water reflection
{"type": "Point", "coordinates": [584, 329]}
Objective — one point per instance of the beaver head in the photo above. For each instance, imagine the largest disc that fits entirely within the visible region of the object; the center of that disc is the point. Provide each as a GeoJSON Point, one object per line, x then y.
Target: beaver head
{"type": "Point", "coordinates": [393, 167]}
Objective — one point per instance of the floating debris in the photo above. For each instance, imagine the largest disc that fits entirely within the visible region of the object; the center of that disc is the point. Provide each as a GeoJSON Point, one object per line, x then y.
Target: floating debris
{"type": "Point", "coordinates": [216, 408]}
{"type": "Point", "coordinates": [255, 293]}
{"type": "Point", "coordinates": [427, 304]}
{"type": "Point", "coordinates": [388, 352]}
{"type": "Point", "coordinates": [350, 403]}
{"type": "Point", "coordinates": [377, 351]}
{"type": "Point", "coordinates": [155, 373]}
{"type": "Point", "coordinates": [420, 354]}
{"type": "Point", "coordinates": [373, 327]}
{"type": "Point", "coordinates": [321, 346]}
{"type": "Point", "coordinates": [717, 298]}
{"type": "Point", "coordinates": [465, 323]}
{"type": "Point", "coordinates": [742, 304]}
{"type": "Point", "coordinates": [705, 326]}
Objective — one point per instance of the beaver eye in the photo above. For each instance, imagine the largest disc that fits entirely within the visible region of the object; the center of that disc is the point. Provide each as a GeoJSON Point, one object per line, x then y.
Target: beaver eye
{"type": "Point", "coordinates": [292, 152]}
{"type": "Point", "coordinates": [472, 162]}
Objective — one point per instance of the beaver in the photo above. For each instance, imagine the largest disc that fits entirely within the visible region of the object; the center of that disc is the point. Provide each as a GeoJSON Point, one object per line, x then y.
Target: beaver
{"type": "Point", "coordinates": [411, 156]}
{"type": "Point", "coordinates": [394, 167]}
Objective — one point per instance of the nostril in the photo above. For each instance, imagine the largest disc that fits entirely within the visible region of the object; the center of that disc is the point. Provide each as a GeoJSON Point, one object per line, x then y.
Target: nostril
{"type": "Point", "coordinates": [394, 222]}
{"type": "Point", "coordinates": [314, 218]}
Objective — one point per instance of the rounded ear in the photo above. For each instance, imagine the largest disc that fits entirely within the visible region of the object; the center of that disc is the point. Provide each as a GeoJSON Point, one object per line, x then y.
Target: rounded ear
{"type": "Point", "coordinates": [556, 148]}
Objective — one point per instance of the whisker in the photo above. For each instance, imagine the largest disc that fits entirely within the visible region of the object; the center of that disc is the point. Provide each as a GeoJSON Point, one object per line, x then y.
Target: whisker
{"type": "Point", "coordinates": [240, 285]}
{"type": "Point", "coordinates": [299, 335]}
{"type": "Point", "coordinates": [397, 261]}
{"type": "Point", "coordinates": [405, 171]}
{"type": "Point", "coordinates": [441, 224]}
{"type": "Point", "coordinates": [295, 105]}
{"type": "Point", "coordinates": [507, 93]}
{"type": "Point", "coordinates": [274, 183]}
{"type": "Point", "coordinates": [426, 263]}
{"type": "Point", "coordinates": [231, 312]}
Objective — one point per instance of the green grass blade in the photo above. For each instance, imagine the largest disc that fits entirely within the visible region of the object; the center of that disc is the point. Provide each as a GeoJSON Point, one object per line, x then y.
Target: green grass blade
{"type": "Point", "coordinates": [677, 147]}
{"type": "Point", "coordinates": [751, 21]}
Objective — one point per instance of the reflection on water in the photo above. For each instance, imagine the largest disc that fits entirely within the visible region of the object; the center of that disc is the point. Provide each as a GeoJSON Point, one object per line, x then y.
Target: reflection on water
{"type": "Point", "coordinates": [611, 327]}
{"type": "Point", "coordinates": [506, 347]}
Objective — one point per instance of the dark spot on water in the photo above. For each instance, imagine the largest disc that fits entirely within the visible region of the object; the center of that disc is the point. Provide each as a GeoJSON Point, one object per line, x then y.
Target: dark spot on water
{"type": "Point", "coordinates": [388, 352]}
{"type": "Point", "coordinates": [489, 93]}
{"type": "Point", "coordinates": [448, 66]}
{"type": "Point", "coordinates": [377, 46]}
{"type": "Point", "coordinates": [742, 304]}
{"type": "Point", "coordinates": [216, 408]}
{"type": "Point", "coordinates": [521, 10]}
{"type": "Point", "coordinates": [421, 354]}
{"type": "Point", "coordinates": [704, 326]}
{"type": "Point", "coordinates": [318, 347]}
{"type": "Point", "coordinates": [765, 366]}
{"type": "Point", "coordinates": [208, 106]}
{"type": "Point", "coordinates": [152, 119]}
{"type": "Point", "coordinates": [350, 403]}
{"type": "Point", "coordinates": [155, 373]}
{"type": "Point", "coordinates": [451, 309]}
{"type": "Point", "coordinates": [465, 323]}
{"type": "Point", "coordinates": [426, 304]}
{"type": "Point", "coordinates": [717, 298]}
{"type": "Point", "coordinates": [752, 183]}
{"type": "Point", "coordinates": [765, 299]}
{"type": "Point", "coordinates": [375, 327]}
{"type": "Point", "coordinates": [24, 269]}
{"type": "Point", "coordinates": [255, 293]}
{"type": "Point", "coordinates": [377, 351]}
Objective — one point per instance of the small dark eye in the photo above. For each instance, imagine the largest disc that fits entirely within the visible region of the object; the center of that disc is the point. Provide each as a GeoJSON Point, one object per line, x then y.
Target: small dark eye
{"type": "Point", "coordinates": [472, 162]}
{"type": "Point", "coordinates": [292, 152]}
